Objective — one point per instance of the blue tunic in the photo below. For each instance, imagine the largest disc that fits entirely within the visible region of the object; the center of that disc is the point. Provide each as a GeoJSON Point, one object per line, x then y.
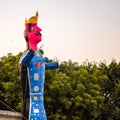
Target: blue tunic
{"type": "Point", "coordinates": [36, 66]}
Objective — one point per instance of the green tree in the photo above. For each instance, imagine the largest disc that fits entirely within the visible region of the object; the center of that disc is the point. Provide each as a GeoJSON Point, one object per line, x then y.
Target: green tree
{"type": "Point", "coordinates": [75, 95]}
{"type": "Point", "coordinates": [10, 84]}
{"type": "Point", "coordinates": [111, 91]}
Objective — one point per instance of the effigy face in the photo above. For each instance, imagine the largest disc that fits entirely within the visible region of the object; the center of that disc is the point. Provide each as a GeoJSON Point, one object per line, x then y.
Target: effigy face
{"type": "Point", "coordinates": [33, 32]}
{"type": "Point", "coordinates": [34, 36]}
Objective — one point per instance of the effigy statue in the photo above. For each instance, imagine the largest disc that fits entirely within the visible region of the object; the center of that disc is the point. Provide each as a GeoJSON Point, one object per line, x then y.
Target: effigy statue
{"type": "Point", "coordinates": [32, 72]}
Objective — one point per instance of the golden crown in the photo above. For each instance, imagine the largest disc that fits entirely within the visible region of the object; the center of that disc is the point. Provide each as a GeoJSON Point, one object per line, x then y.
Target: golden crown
{"type": "Point", "coordinates": [33, 19]}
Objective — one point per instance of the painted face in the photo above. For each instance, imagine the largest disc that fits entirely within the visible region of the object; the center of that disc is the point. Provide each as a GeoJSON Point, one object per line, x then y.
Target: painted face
{"type": "Point", "coordinates": [34, 36]}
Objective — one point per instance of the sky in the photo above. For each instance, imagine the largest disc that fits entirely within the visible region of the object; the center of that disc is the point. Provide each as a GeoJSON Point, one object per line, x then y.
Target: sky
{"type": "Point", "coordinates": [76, 30]}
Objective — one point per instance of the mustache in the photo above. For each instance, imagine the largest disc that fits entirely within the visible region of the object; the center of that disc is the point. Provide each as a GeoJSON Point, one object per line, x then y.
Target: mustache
{"type": "Point", "coordinates": [38, 34]}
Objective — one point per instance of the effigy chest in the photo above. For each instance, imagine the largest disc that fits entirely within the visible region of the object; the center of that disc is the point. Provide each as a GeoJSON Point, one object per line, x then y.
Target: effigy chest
{"type": "Point", "coordinates": [36, 73]}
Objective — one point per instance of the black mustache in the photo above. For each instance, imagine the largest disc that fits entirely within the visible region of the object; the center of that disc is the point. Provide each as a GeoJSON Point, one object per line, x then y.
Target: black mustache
{"type": "Point", "coordinates": [38, 33]}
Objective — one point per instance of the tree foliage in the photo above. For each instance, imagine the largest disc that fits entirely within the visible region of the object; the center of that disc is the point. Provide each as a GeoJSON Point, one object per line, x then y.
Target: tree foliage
{"type": "Point", "coordinates": [9, 81]}
{"type": "Point", "coordinates": [90, 91]}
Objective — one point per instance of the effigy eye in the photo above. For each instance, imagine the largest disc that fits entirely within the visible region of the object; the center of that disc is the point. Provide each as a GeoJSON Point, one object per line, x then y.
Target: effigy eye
{"type": "Point", "coordinates": [32, 29]}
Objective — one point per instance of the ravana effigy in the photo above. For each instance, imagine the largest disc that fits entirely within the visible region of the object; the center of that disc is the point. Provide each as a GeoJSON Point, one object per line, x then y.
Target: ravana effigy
{"type": "Point", "coordinates": [32, 73]}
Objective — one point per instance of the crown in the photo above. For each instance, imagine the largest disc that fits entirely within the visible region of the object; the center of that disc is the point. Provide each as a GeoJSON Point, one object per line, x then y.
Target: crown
{"type": "Point", "coordinates": [33, 19]}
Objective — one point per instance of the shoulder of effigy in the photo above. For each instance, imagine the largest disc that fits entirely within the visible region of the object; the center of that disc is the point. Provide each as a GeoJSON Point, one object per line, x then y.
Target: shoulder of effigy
{"type": "Point", "coordinates": [38, 55]}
